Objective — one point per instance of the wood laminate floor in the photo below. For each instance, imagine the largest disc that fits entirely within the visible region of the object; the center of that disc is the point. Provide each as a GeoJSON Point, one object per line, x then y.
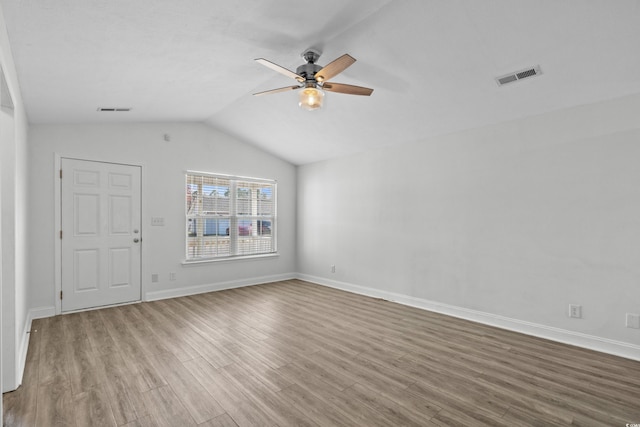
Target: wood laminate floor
{"type": "Point", "coordinates": [293, 353]}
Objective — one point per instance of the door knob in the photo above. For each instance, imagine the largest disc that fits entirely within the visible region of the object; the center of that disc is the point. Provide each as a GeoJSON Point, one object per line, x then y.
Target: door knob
{"type": "Point", "coordinates": [136, 240]}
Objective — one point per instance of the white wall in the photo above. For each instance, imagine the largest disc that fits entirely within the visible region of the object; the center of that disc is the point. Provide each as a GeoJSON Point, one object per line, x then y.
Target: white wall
{"type": "Point", "coordinates": [507, 224]}
{"type": "Point", "coordinates": [191, 147]}
{"type": "Point", "coordinates": [14, 272]}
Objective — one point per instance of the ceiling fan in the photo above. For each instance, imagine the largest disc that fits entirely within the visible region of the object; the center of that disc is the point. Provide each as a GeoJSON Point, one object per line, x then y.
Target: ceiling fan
{"type": "Point", "coordinates": [313, 79]}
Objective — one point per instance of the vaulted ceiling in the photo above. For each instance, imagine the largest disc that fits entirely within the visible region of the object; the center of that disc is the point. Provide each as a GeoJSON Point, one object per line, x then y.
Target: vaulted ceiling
{"type": "Point", "coordinates": [432, 64]}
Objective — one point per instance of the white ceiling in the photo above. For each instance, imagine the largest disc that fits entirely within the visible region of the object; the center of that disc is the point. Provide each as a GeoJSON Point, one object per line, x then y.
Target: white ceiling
{"type": "Point", "coordinates": [432, 64]}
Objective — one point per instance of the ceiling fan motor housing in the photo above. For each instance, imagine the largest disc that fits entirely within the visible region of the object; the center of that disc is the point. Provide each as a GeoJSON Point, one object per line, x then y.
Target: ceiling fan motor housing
{"type": "Point", "coordinates": [308, 71]}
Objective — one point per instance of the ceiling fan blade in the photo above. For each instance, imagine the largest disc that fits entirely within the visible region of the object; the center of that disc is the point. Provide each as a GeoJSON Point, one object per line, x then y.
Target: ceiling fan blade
{"type": "Point", "coordinates": [334, 68]}
{"type": "Point", "coordinates": [282, 89]}
{"type": "Point", "coordinates": [348, 89]}
{"type": "Point", "coordinates": [280, 69]}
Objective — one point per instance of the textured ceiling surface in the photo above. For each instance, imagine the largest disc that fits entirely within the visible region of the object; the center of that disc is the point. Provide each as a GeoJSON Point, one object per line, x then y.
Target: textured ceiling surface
{"type": "Point", "coordinates": [432, 64]}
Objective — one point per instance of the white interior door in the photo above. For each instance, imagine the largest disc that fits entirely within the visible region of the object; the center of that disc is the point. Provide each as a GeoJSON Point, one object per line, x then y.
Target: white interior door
{"type": "Point", "coordinates": [101, 233]}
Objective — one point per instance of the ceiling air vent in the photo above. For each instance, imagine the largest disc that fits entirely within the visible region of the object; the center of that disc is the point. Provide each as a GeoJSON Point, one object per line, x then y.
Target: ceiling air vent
{"type": "Point", "coordinates": [113, 109]}
{"type": "Point", "coordinates": [519, 75]}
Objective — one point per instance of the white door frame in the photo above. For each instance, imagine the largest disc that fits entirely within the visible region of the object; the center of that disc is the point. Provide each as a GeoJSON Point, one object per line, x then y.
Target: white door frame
{"type": "Point", "coordinates": [10, 342]}
{"type": "Point", "coordinates": [57, 202]}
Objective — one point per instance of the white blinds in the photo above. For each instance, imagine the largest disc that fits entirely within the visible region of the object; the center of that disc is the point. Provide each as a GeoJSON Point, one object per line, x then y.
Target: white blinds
{"type": "Point", "coordinates": [229, 216]}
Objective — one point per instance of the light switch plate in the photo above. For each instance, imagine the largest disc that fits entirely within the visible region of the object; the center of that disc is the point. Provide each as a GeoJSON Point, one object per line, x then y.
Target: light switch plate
{"type": "Point", "coordinates": [633, 321]}
{"type": "Point", "coordinates": [575, 311]}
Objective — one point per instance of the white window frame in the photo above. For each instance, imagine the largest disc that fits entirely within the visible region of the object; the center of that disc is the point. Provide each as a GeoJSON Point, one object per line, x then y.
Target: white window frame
{"type": "Point", "coordinates": [234, 218]}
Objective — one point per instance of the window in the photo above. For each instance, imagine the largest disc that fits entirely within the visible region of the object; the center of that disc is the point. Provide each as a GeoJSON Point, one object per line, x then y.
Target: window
{"type": "Point", "coordinates": [229, 216]}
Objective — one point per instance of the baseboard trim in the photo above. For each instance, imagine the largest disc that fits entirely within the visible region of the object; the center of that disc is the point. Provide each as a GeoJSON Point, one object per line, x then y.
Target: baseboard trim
{"type": "Point", "coordinates": [200, 289]}
{"type": "Point", "coordinates": [591, 342]}
{"type": "Point", "coordinates": [34, 313]}
{"type": "Point", "coordinates": [42, 312]}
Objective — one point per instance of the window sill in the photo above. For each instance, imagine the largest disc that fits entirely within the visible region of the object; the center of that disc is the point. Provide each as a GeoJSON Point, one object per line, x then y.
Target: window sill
{"type": "Point", "coordinates": [187, 263]}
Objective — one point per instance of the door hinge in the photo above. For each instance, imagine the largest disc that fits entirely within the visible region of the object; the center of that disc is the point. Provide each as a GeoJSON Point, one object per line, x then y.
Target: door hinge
{"type": "Point", "coordinates": [60, 294]}
{"type": "Point", "coordinates": [61, 234]}
{"type": "Point", "coordinates": [60, 173]}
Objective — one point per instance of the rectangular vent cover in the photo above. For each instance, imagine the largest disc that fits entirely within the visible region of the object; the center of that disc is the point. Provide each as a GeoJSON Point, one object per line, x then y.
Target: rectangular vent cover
{"type": "Point", "coordinates": [519, 75]}
{"type": "Point", "coordinates": [113, 109]}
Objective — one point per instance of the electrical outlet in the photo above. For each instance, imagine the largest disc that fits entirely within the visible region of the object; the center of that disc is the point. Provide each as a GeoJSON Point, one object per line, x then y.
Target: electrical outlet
{"type": "Point", "coordinates": [157, 221]}
{"type": "Point", "coordinates": [575, 311]}
{"type": "Point", "coordinates": [333, 268]}
{"type": "Point", "coordinates": [172, 276]}
{"type": "Point", "coordinates": [154, 277]}
{"type": "Point", "coordinates": [633, 321]}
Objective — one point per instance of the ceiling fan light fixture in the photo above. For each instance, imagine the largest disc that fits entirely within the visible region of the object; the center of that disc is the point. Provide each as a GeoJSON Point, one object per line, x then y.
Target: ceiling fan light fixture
{"type": "Point", "coordinates": [311, 98]}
